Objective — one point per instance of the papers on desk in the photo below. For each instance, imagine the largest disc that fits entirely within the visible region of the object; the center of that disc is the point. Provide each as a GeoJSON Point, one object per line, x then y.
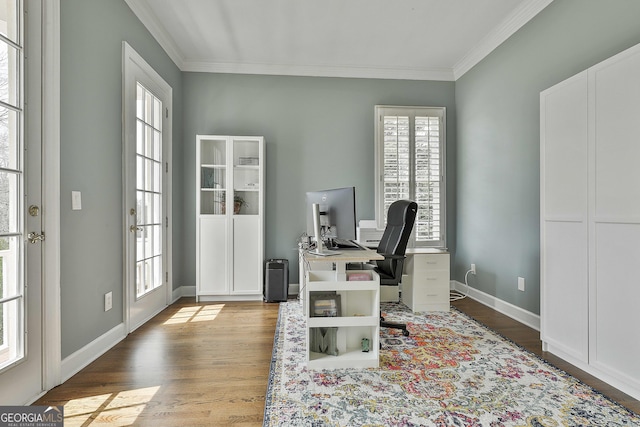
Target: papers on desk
{"type": "Point", "coordinates": [324, 253]}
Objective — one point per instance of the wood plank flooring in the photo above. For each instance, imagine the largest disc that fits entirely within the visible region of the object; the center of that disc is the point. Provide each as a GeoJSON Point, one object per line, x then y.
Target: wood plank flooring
{"type": "Point", "coordinates": [192, 365]}
{"type": "Point", "coordinates": [207, 364]}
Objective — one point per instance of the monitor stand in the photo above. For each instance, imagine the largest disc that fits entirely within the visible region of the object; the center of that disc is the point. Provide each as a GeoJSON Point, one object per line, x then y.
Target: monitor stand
{"type": "Point", "coordinates": [322, 250]}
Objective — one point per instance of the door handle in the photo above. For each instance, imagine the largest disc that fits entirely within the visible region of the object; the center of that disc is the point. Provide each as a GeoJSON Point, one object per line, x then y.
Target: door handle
{"type": "Point", "coordinates": [134, 228]}
{"type": "Point", "coordinates": [35, 237]}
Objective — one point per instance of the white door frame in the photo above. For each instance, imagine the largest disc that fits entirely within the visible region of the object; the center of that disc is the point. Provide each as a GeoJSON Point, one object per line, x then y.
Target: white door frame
{"type": "Point", "coordinates": [130, 56]}
{"type": "Point", "coordinates": [52, 345]}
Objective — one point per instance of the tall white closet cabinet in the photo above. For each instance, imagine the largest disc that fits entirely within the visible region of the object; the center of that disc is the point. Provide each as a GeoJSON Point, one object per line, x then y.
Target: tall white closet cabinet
{"type": "Point", "coordinates": [590, 220]}
{"type": "Point", "coordinates": [229, 217]}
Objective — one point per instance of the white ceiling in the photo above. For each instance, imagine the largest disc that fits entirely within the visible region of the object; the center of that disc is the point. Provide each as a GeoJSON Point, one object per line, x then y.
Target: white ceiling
{"type": "Point", "coordinates": [399, 39]}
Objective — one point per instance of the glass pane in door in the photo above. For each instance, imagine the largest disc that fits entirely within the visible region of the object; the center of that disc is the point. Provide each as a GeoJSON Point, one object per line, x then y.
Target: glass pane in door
{"type": "Point", "coordinates": [213, 173]}
{"type": "Point", "coordinates": [148, 192]}
{"type": "Point", "coordinates": [246, 177]}
{"type": "Point", "coordinates": [12, 290]}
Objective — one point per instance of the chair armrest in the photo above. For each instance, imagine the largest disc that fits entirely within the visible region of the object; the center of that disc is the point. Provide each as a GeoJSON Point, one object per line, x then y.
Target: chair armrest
{"type": "Point", "coordinates": [392, 256]}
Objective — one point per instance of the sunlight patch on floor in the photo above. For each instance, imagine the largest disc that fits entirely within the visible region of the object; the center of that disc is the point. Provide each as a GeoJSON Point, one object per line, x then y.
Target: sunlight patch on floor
{"type": "Point", "coordinates": [200, 313]}
{"type": "Point", "coordinates": [112, 409]}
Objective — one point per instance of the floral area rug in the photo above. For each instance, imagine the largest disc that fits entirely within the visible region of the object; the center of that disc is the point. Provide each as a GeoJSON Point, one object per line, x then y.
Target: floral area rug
{"type": "Point", "coordinates": [451, 371]}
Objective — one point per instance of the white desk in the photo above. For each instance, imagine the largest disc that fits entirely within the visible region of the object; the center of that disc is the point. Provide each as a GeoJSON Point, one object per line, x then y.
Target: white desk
{"type": "Point", "coordinates": [359, 308]}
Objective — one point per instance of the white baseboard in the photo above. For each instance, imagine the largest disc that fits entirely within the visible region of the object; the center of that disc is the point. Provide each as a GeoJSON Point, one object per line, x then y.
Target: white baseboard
{"type": "Point", "coordinates": [183, 291]}
{"type": "Point", "coordinates": [294, 289]}
{"type": "Point", "coordinates": [190, 291]}
{"type": "Point", "coordinates": [77, 361]}
{"type": "Point", "coordinates": [521, 315]}
{"type": "Point", "coordinates": [222, 298]}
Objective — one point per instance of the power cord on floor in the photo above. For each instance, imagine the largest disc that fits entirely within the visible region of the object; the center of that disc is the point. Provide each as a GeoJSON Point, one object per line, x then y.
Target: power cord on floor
{"type": "Point", "coordinates": [457, 295]}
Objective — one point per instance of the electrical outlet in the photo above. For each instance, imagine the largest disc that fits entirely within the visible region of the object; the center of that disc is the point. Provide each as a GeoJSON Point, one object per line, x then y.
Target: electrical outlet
{"type": "Point", "coordinates": [521, 284]}
{"type": "Point", "coordinates": [108, 301]}
{"type": "Point", "coordinates": [473, 269]}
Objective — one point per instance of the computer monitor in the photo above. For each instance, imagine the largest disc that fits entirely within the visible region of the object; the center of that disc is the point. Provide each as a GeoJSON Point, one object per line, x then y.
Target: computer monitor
{"type": "Point", "coordinates": [337, 213]}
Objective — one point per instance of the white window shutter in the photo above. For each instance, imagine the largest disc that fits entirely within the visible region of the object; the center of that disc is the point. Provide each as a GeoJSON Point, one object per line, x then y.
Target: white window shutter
{"type": "Point", "coordinates": [410, 147]}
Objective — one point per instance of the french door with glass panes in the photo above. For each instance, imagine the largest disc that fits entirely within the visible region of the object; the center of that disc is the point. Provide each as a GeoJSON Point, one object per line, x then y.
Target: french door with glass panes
{"type": "Point", "coordinates": [21, 213]}
{"type": "Point", "coordinates": [147, 101]}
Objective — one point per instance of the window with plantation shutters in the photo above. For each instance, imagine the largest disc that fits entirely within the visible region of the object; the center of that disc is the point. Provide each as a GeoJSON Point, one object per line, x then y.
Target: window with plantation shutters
{"type": "Point", "coordinates": [410, 165]}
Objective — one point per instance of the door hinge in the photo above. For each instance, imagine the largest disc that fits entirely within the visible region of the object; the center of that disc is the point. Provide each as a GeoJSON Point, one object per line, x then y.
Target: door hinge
{"type": "Point", "coordinates": [166, 276]}
{"type": "Point", "coordinates": [166, 167]}
{"type": "Point", "coordinates": [167, 113]}
{"type": "Point", "coordinates": [166, 221]}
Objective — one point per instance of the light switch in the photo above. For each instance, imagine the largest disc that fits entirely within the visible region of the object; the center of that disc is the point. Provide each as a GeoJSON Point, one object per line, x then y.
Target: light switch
{"type": "Point", "coordinates": [76, 200]}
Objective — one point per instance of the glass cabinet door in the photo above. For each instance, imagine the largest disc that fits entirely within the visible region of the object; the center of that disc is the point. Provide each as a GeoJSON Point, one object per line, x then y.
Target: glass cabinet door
{"type": "Point", "coordinates": [213, 176]}
{"type": "Point", "coordinates": [246, 177]}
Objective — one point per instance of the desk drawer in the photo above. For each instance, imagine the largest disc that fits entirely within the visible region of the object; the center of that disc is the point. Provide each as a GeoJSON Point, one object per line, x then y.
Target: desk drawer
{"type": "Point", "coordinates": [431, 282]}
{"type": "Point", "coordinates": [426, 293]}
{"type": "Point", "coordinates": [419, 263]}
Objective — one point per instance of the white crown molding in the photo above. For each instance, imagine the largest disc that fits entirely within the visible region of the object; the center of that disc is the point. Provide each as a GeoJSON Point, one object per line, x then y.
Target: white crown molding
{"type": "Point", "coordinates": [150, 21]}
{"type": "Point", "coordinates": [523, 14]}
{"type": "Point", "coordinates": [442, 74]}
{"type": "Point", "coordinates": [502, 32]}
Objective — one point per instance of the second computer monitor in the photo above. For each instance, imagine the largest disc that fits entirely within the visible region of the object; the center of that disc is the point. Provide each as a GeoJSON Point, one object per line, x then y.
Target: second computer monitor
{"type": "Point", "coordinates": [337, 212]}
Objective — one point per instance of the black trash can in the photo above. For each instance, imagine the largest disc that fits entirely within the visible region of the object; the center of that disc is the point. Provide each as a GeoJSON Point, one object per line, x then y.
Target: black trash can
{"type": "Point", "coordinates": [276, 280]}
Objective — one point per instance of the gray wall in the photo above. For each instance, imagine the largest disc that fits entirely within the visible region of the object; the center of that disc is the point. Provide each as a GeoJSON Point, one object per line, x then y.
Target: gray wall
{"type": "Point", "coordinates": [92, 32]}
{"type": "Point", "coordinates": [319, 134]}
{"type": "Point", "coordinates": [497, 103]}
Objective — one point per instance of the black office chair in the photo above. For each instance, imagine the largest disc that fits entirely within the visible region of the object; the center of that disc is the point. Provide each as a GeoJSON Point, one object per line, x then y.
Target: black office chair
{"type": "Point", "coordinates": [393, 244]}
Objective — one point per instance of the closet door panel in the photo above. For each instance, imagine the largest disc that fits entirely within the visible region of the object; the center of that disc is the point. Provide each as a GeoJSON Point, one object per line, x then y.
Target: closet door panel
{"type": "Point", "coordinates": [247, 262]}
{"type": "Point", "coordinates": [616, 317]}
{"type": "Point", "coordinates": [614, 100]}
{"type": "Point", "coordinates": [564, 149]}
{"type": "Point", "coordinates": [213, 268]}
{"type": "Point", "coordinates": [615, 96]}
{"type": "Point", "coordinates": [565, 315]}
{"type": "Point", "coordinates": [564, 263]}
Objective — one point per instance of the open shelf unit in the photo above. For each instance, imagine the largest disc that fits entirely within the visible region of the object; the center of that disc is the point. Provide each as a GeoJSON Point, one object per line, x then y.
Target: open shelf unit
{"type": "Point", "coordinates": [359, 318]}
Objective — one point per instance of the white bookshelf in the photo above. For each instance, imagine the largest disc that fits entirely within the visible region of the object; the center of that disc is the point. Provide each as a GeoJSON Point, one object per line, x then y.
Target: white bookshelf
{"type": "Point", "coordinates": [230, 217]}
{"type": "Point", "coordinates": [359, 318]}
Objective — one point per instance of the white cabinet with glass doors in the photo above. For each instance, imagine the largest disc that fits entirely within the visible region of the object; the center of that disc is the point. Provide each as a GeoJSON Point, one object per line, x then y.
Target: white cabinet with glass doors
{"type": "Point", "coordinates": [229, 217]}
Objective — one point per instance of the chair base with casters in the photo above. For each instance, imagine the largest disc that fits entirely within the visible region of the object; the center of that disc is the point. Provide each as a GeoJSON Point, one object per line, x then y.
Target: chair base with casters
{"type": "Point", "coordinates": [390, 280]}
{"type": "Point", "coordinates": [401, 326]}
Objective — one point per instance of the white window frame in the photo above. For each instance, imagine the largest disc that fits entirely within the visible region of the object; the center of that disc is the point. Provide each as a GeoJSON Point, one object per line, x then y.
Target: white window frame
{"type": "Point", "coordinates": [411, 112]}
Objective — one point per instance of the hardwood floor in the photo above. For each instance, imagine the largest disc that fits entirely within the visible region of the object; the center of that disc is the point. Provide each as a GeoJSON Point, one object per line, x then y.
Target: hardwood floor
{"type": "Point", "coordinates": [192, 365]}
{"type": "Point", "coordinates": [208, 364]}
